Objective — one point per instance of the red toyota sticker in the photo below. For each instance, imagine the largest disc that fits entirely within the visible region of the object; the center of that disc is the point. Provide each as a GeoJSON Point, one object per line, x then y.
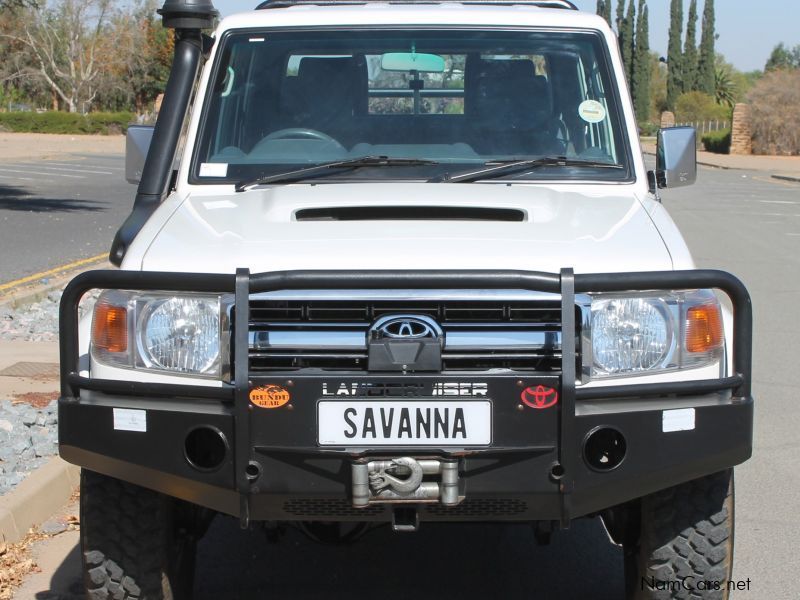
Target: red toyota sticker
{"type": "Point", "coordinates": [539, 397]}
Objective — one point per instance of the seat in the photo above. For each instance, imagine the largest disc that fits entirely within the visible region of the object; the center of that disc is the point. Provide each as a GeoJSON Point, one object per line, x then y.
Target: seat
{"type": "Point", "coordinates": [511, 108]}
{"type": "Point", "coordinates": [322, 96]}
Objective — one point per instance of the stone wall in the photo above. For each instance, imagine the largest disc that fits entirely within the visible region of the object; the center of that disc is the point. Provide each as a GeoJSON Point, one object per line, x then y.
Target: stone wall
{"type": "Point", "coordinates": [741, 130]}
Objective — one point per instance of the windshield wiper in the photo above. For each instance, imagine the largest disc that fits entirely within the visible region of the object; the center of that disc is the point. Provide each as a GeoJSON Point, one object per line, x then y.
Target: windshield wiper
{"type": "Point", "coordinates": [354, 163]}
{"type": "Point", "coordinates": [496, 169]}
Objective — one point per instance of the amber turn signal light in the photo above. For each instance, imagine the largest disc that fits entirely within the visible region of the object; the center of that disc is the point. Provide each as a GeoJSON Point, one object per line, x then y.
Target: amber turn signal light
{"type": "Point", "coordinates": [110, 328]}
{"type": "Point", "coordinates": [703, 328]}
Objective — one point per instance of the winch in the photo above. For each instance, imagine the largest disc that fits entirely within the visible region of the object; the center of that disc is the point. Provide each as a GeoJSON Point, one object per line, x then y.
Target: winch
{"type": "Point", "coordinates": [405, 479]}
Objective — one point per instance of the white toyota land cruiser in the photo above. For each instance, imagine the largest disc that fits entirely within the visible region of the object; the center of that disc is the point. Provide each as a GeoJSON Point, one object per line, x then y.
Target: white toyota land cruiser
{"type": "Point", "coordinates": [398, 262]}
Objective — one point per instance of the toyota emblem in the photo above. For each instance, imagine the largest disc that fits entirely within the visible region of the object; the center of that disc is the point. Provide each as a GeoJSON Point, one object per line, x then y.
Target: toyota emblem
{"type": "Point", "coordinates": [406, 327]}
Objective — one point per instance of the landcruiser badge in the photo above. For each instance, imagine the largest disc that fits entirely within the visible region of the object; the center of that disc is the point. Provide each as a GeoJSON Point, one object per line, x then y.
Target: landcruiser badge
{"type": "Point", "coordinates": [269, 396]}
{"type": "Point", "coordinates": [539, 397]}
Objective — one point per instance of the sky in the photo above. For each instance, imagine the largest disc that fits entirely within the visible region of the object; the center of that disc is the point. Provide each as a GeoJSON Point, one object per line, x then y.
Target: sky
{"type": "Point", "coordinates": [748, 29]}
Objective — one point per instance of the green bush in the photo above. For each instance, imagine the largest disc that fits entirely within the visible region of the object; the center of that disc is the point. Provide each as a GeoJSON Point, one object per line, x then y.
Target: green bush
{"type": "Point", "coordinates": [718, 142]}
{"type": "Point", "coordinates": [648, 129]}
{"type": "Point", "coordinates": [67, 123]}
{"type": "Point", "coordinates": [697, 106]}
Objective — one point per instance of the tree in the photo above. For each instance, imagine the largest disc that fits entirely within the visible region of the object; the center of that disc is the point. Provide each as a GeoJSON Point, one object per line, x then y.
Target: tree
{"type": "Point", "coordinates": [775, 113]}
{"type": "Point", "coordinates": [706, 75]}
{"type": "Point", "coordinates": [12, 4]}
{"type": "Point", "coordinates": [724, 87]}
{"type": "Point", "coordinates": [64, 41]}
{"type": "Point", "coordinates": [627, 39]}
{"type": "Point", "coordinates": [674, 54]}
{"type": "Point", "coordinates": [641, 75]}
{"type": "Point", "coordinates": [783, 58]}
{"type": "Point", "coordinates": [690, 51]}
{"type": "Point", "coordinates": [144, 55]}
{"type": "Point", "coordinates": [604, 10]}
{"type": "Point", "coordinates": [620, 14]}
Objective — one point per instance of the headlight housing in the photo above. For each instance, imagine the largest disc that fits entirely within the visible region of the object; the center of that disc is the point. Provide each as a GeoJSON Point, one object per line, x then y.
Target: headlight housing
{"type": "Point", "coordinates": [639, 334]}
{"type": "Point", "coordinates": [165, 333]}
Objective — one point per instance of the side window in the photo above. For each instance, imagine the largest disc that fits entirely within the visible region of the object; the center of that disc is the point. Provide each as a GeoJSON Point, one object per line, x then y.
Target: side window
{"type": "Point", "coordinates": [594, 113]}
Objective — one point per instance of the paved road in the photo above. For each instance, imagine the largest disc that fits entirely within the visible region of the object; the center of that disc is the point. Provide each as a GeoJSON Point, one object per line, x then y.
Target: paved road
{"type": "Point", "coordinates": [54, 212]}
{"type": "Point", "coordinates": [739, 221]}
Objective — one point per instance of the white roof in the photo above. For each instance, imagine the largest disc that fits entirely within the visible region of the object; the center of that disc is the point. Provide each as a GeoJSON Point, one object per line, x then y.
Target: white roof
{"type": "Point", "coordinates": [446, 14]}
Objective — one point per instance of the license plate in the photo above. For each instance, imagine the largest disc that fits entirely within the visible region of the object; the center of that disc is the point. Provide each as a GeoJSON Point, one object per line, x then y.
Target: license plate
{"type": "Point", "coordinates": [417, 423]}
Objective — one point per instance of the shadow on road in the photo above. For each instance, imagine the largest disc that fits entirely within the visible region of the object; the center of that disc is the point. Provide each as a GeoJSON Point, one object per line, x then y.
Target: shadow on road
{"type": "Point", "coordinates": [18, 199]}
{"type": "Point", "coordinates": [445, 562]}
{"type": "Point", "coordinates": [494, 562]}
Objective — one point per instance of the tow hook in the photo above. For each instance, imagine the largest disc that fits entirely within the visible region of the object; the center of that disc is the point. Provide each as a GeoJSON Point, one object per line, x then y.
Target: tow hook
{"type": "Point", "coordinates": [403, 479]}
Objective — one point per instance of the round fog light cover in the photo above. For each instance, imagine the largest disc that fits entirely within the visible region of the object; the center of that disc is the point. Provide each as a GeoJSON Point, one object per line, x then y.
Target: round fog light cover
{"type": "Point", "coordinates": [629, 335]}
{"type": "Point", "coordinates": [181, 335]}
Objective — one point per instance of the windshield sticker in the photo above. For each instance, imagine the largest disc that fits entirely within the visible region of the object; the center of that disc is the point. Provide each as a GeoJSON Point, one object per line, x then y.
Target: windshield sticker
{"type": "Point", "coordinates": [214, 170]}
{"type": "Point", "coordinates": [592, 111]}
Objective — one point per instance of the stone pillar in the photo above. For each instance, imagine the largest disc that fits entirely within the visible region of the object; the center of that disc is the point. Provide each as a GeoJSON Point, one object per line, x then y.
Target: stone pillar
{"type": "Point", "coordinates": [741, 130]}
{"type": "Point", "coordinates": [157, 104]}
{"type": "Point", "coordinates": [667, 119]}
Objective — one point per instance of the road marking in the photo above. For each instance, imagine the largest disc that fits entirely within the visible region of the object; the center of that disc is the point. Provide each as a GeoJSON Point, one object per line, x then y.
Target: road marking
{"type": "Point", "coordinates": [793, 234]}
{"type": "Point", "coordinates": [779, 202]}
{"type": "Point", "coordinates": [78, 170]}
{"type": "Point", "coordinates": [40, 173]}
{"type": "Point", "coordinates": [60, 164]}
{"type": "Point", "coordinates": [69, 266]}
{"type": "Point", "coordinates": [21, 178]}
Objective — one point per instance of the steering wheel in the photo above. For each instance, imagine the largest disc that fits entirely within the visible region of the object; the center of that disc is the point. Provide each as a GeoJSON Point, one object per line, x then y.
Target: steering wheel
{"type": "Point", "coordinates": [303, 133]}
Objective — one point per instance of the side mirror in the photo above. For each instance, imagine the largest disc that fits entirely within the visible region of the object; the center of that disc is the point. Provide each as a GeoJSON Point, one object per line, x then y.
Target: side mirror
{"type": "Point", "coordinates": [676, 157]}
{"type": "Point", "coordinates": [137, 144]}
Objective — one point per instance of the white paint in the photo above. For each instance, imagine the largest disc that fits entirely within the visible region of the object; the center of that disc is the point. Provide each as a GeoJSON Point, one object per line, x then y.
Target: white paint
{"type": "Point", "coordinates": [584, 227]}
{"type": "Point", "coordinates": [214, 170]}
{"type": "Point", "coordinates": [778, 202]}
{"type": "Point", "coordinates": [217, 204]}
{"type": "Point", "coordinates": [50, 174]}
{"type": "Point", "coordinates": [677, 420]}
{"type": "Point", "coordinates": [126, 419]}
{"type": "Point", "coordinates": [73, 170]}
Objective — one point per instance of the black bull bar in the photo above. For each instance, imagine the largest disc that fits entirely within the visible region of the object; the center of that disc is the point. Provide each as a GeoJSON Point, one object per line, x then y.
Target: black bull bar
{"type": "Point", "coordinates": [566, 283]}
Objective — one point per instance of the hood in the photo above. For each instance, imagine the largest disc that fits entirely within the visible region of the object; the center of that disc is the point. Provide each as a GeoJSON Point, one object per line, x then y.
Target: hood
{"type": "Point", "coordinates": [591, 231]}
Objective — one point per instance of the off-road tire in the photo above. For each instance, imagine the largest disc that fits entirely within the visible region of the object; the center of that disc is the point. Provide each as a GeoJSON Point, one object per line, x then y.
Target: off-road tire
{"type": "Point", "coordinates": [129, 544]}
{"type": "Point", "coordinates": [685, 538]}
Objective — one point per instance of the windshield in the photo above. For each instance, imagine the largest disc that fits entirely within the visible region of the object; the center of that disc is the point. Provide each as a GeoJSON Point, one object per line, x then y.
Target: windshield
{"type": "Point", "coordinates": [281, 101]}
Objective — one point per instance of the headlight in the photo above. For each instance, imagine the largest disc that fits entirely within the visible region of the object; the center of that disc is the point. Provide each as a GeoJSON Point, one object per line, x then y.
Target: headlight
{"type": "Point", "coordinates": [171, 334]}
{"type": "Point", "coordinates": [642, 335]}
{"type": "Point", "coordinates": [180, 334]}
{"type": "Point", "coordinates": [630, 335]}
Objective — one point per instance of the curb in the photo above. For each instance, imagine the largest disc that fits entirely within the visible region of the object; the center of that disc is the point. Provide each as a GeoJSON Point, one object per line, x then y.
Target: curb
{"type": "Point", "coordinates": [36, 498]}
{"type": "Point", "coordinates": [34, 292]}
{"type": "Point", "coordinates": [792, 178]}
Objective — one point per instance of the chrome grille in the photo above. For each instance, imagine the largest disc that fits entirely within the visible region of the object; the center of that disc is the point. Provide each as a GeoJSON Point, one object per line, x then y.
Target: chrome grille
{"type": "Point", "coordinates": [331, 334]}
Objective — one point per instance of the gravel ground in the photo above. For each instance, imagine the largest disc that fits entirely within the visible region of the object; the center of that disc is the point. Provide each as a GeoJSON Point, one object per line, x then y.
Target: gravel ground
{"type": "Point", "coordinates": [28, 437]}
{"type": "Point", "coordinates": [37, 322]}
{"type": "Point", "coordinates": [28, 432]}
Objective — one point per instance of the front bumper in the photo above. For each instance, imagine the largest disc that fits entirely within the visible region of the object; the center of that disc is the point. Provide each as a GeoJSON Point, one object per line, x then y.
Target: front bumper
{"type": "Point", "coordinates": [535, 467]}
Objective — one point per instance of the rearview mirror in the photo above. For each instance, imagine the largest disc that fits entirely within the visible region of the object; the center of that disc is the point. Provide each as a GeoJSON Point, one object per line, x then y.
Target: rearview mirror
{"type": "Point", "coordinates": [411, 61]}
{"type": "Point", "coordinates": [676, 157]}
{"type": "Point", "coordinates": [137, 144]}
